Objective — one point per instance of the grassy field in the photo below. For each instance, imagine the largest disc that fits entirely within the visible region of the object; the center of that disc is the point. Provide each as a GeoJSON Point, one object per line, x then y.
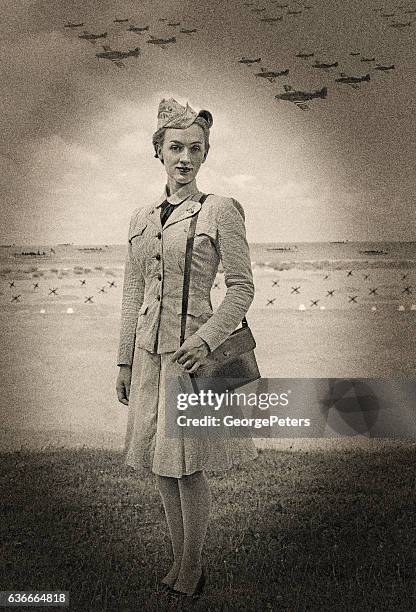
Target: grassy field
{"type": "Point", "coordinates": [290, 531]}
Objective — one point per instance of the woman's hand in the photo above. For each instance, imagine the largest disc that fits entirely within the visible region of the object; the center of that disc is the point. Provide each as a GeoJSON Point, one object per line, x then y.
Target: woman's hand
{"type": "Point", "coordinates": [123, 384]}
{"type": "Point", "coordinates": [192, 353]}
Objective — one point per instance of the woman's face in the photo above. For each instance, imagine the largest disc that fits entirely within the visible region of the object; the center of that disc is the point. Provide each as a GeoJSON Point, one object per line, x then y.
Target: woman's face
{"type": "Point", "coordinates": [183, 152]}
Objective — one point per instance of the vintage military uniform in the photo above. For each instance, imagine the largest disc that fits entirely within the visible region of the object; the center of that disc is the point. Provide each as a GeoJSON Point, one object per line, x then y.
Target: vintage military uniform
{"type": "Point", "coordinates": [151, 317]}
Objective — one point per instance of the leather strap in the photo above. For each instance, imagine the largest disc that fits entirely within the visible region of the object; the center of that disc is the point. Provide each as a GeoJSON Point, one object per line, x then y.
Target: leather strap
{"type": "Point", "coordinates": [187, 271]}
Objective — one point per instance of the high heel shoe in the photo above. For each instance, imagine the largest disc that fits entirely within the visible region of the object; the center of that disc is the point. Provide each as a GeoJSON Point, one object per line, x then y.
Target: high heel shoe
{"type": "Point", "coordinates": [198, 589]}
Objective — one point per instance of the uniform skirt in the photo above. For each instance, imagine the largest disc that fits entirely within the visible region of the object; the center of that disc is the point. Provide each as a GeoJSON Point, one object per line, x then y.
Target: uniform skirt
{"type": "Point", "coordinates": [148, 448]}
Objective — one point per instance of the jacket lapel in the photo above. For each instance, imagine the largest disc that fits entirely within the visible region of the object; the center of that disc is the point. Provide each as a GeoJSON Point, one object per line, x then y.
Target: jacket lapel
{"type": "Point", "coordinates": [183, 211]}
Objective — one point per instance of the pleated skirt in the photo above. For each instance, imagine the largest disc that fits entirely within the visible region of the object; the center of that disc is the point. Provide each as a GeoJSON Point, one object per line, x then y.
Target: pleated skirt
{"type": "Point", "coordinates": [148, 448]}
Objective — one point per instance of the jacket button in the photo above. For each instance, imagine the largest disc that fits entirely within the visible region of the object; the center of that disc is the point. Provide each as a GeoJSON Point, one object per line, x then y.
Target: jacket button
{"type": "Point", "coordinates": [158, 256]}
{"type": "Point", "coordinates": [159, 235]}
{"type": "Point", "coordinates": [158, 298]}
{"type": "Point", "coordinates": [159, 277]}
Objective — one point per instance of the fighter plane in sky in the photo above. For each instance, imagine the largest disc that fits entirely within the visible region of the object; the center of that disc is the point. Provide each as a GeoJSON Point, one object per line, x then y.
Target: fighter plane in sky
{"type": "Point", "coordinates": [184, 31]}
{"type": "Point", "coordinates": [138, 29]}
{"type": "Point", "coordinates": [162, 42]}
{"type": "Point", "coordinates": [368, 59]}
{"type": "Point", "coordinates": [73, 25]}
{"type": "Point", "coordinates": [354, 53]}
{"type": "Point", "coordinates": [304, 55]}
{"type": "Point", "coordinates": [271, 75]}
{"type": "Point", "coordinates": [246, 60]}
{"type": "Point", "coordinates": [271, 19]}
{"type": "Point", "coordinates": [116, 20]}
{"type": "Point", "coordinates": [398, 24]}
{"type": "Point", "coordinates": [117, 56]}
{"type": "Point", "coordinates": [301, 97]}
{"type": "Point", "coordinates": [293, 12]}
{"type": "Point", "coordinates": [174, 24]}
{"type": "Point", "coordinates": [92, 37]}
{"type": "Point", "coordinates": [324, 66]}
{"type": "Point", "coordinates": [351, 80]}
{"type": "Point", "coordinates": [381, 67]}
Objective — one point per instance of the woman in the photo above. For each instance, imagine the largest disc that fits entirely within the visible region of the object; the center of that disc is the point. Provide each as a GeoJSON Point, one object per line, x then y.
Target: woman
{"type": "Point", "coordinates": [149, 351]}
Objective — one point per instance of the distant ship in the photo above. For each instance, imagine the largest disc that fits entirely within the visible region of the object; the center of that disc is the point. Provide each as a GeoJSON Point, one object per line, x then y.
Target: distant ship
{"type": "Point", "coordinates": [294, 248]}
{"type": "Point", "coordinates": [65, 244]}
{"type": "Point", "coordinates": [32, 254]}
{"type": "Point", "coordinates": [338, 241]}
{"type": "Point", "coordinates": [373, 252]}
{"type": "Point", "coordinates": [90, 249]}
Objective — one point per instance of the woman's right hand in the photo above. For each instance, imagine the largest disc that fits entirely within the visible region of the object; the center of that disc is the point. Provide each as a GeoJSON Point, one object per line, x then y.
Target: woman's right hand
{"type": "Point", "coordinates": [123, 384]}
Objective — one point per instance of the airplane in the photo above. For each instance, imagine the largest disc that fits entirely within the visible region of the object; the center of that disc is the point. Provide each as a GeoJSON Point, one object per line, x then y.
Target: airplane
{"type": "Point", "coordinates": [161, 41]}
{"type": "Point", "coordinates": [292, 12]}
{"type": "Point", "coordinates": [73, 25]}
{"type": "Point", "coordinates": [349, 273]}
{"type": "Point", "coordinates": [314, 302]}
{"type": "Point", "coordinates": [397, 24]}
{"type": "Point", "coordinates": [120, 20]}
{"type": "Point", "coordinates": [271, 19]}
{"type": "Point", "coordinates": [330, 293]}
{"type": "Point", "coordinates": [271, 75]}
{"type": "Point", "coordinates": [324, 66]}
{"type": "Point", "coordinates": [102, 290]}
{"type": "Point", "coordinates": [92, 37]}
{"type": "Point", "coordinates": [295, 289]}
{"type": "Point", "coordinates": [407, 290]}
{"type": "Point", "coordinates": [368, 59]}
{"type": "Point", "coordinates": [35, 286]}
{"type": "Point", "coordinates": [138, 29]}
{"type": "Point", "coordinates": [184, 31]}
{"type": "Point", "coordinates": [174, 24]}
{"type": "Point", "coordinates": [304, 55]}
{"type": "Point", "coordinates": [11, 284]}
{"type": "Point", "coordinates": [354, 53]}
{"type": "Point", "coordinates": [301, 97]}
{"type": "Point", "coordinates": [16, 298]}
{"type": "Point", "coordinates": [380, 67]}
{"type": "Point", "coordinates": [246, 60]}
{"type": "Point", "coordinates": [353, 298]}
{"type": "Point", "coordinates": [404, 276]}
{"type": "Point", "coordinates": [271, 302]}
{"type": "Point", "coordinates": [53, 291]}
{"type": "Point", "coordinates": [83, 282]}
{"type": "Point", "coordinates": [112, 283]}
{"type": "Point", "coordinates": [89, 300]}
{"type": "Point", "coordinates": [373, 291]}
{"type": "Point", "coordinates": [117, 56]}
{"type": "Point", "coordinates": [274, 283]}
{"type": "Point", "coordinates": [351, 80]}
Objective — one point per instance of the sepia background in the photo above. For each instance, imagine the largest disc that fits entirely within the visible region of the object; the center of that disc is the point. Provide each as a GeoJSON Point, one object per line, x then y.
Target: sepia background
{"type": "Point", "coordinates": [328, 192]}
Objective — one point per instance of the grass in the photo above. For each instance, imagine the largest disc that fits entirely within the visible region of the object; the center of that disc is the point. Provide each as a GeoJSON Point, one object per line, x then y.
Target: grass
{"type": "Point", "coordinates": [290, 531]}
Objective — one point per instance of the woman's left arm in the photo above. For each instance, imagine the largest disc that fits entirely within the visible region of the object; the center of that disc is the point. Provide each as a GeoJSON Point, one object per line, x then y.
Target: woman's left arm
{"type": "Point", "coordinates": [235, 256]}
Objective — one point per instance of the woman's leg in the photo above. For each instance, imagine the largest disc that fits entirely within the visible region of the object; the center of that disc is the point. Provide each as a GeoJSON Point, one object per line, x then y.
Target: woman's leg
{"type": "Point", "coordinates": [196, 505]}
{"type": "Point", "coordinates": [169, 492]}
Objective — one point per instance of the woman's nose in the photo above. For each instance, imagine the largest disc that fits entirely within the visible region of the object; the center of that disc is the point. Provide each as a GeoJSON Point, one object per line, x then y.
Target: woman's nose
{"type": "Point", "coordinates": [185, 155]}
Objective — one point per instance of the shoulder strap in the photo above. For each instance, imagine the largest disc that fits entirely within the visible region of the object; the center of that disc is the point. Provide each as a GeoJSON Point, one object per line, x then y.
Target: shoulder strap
{"type": "Point", "coordinates": [187, 271]}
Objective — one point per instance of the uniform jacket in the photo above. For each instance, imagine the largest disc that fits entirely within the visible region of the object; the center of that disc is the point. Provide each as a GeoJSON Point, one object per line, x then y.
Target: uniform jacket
{"type": "Point", "coordinates": [154, 267]}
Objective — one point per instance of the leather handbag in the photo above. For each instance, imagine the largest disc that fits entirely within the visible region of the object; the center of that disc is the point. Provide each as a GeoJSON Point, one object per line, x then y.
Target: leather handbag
{"type": "Point", "coordinates": [233, 363]}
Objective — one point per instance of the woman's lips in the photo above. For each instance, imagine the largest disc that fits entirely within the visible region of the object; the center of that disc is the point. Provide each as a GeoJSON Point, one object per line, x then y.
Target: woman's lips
{"type": "Point", "coordinates": [184, 170]}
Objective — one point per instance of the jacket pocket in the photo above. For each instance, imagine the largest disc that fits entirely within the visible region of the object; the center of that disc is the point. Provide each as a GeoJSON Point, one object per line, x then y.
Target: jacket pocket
{"type": "Point", "coordinates": [196, 307]}
{"type": "Point", "coordinates": [137, 231]}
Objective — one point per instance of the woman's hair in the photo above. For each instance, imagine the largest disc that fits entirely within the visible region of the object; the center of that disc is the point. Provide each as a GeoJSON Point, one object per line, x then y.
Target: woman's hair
{"type": "Point", "coordinates": [159, 135]}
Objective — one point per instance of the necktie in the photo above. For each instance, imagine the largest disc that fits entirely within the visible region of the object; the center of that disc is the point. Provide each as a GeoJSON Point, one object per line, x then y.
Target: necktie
{"type": "Point", "coordinates": [166, 210]}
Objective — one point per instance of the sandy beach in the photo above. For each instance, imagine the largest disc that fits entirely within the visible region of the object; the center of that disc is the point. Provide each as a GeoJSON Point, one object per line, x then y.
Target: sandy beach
{"type": "Point", "coordinates": [58, 359]}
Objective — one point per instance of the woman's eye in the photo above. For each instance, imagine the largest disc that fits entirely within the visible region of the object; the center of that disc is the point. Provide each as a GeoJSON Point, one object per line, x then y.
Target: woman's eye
{"type": "Point", "coordinates": [174, 147]}
{"type": "Point", "coordinates": [196, 148]}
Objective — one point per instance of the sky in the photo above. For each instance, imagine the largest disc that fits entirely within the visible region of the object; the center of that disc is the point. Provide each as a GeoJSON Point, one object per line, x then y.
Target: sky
{"type": "Point", "coordinates": [76, 155]}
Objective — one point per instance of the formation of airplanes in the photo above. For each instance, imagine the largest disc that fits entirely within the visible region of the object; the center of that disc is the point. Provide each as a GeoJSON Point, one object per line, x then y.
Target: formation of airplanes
{"type": "Point", "coordinates": [117, 56]}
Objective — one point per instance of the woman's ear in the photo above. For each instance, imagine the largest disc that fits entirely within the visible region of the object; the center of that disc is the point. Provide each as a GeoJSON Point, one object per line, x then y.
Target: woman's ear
{"type": "Point", "coordinates": [159, 153]}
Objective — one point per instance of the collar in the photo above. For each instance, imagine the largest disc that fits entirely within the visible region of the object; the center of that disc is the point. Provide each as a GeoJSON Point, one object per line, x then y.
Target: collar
{"type": "Point", "coordinates": [179, 196]}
